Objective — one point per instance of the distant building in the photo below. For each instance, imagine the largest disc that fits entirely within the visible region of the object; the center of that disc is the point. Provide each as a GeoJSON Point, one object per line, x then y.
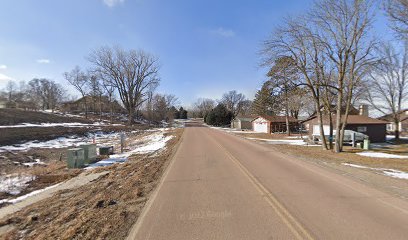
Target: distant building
{"type": "Point", "coordinates": [375, 129]}
{"type": "Point", "coordinates": [273, 124]}
{"type": "Point", "coordinates": [403, 122]}
{"type": "Point", "coordinates": [93, 104]}
{"type": "Point", "coordinates": [242, 122]}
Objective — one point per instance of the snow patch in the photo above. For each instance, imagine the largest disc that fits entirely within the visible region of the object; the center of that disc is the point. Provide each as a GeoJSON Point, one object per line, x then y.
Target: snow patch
{"type": "Point", "coordinates": [61, 142]}
{"type": "Point", "coordinates": [21, 198]}
{"type": "Point", "coordinates": [148, 144]}
{"type": "Point", "coordinates": [388, 172]}
{"type": "Point", "coordinates": [380, 155]}
{"type": "Point", "coordinates": [36, 162]}
{"type": "Point", "coordinates": [299, 142]}
{"type": "Point", "coordinates": [14, 184]}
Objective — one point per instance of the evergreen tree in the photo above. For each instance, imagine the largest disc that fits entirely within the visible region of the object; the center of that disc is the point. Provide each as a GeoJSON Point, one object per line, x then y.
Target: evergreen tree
{"type": "Point", "coordinates": [219, 116]}
{"type": "Point", "coordinates": [182, 113]}
{"type": "Point", "coordinates": [175, 112]}
{"type": "Point", "coordinates": [266, 101]}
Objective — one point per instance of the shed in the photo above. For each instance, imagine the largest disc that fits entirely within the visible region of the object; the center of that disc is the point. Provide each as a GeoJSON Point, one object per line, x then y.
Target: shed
{"type": "Point", "coordinates": [273, 124]}
{"type": "Point", "coordinates": [242, 122]}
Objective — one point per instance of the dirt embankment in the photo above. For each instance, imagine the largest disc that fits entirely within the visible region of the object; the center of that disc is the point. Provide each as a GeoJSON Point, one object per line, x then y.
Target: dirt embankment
{"type": "Point", "coordinates": [11, 116]}
{"type": "Point", "coordinates": [104, 209]}
{"type": "Point", "coordinates": [9, 136]}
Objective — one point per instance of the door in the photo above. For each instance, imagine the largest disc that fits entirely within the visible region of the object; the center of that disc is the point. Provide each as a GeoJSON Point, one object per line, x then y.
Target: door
{"type": "Point", "coordinates": [261, 127]}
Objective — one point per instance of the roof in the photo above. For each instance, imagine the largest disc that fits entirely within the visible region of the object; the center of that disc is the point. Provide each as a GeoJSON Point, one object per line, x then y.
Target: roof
{"type": "Point", "coordinates": [245, 118]}
{"type": "Point", "coordinates": [277, 118]}
{"type": "Point", "coordinates": [403, 116]}
{"type": "Point", "coordinates": [352, 110]}
{"type": "Point", "coordinates": [352, 119]}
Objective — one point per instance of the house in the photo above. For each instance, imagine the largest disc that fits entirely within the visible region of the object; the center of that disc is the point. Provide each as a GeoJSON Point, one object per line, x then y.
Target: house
{"type": "Point", "coordinates": [375, 129]}
{"type": "Point", "coordinates": [242, 122]}
{"type": "Point", "coordinates": [273, 124]}
{"type": "Point", "coordinates": [93, 105]}
{"type": "Point", "coordinates": [403, 123]}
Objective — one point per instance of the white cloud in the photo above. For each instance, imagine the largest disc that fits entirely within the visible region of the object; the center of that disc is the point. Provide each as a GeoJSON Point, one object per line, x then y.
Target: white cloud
{"type": "Point", "coordinates": [4, 78]}
{"type": "Point", "coordinates": [45, 61]}
{"type": "Point", "coordinates": [3, 67]}
{"type": "Point", "coordinates": [223, 32]}
{"type": "Point", "coordinates": [112, 3]}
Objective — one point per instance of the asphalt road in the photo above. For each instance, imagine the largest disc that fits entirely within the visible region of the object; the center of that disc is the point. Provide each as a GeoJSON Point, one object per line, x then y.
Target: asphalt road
{"type": "Point", "coordinates": [220, 186]}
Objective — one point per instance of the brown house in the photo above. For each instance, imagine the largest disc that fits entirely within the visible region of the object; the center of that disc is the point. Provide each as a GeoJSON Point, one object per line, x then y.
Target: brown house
{"type": "Point", "coordinates": [375, 129]}
{"type": "Point", "coordinates": [273, 124]}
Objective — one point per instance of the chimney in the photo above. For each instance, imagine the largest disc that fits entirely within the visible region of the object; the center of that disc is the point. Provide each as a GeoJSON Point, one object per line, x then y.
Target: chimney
{"type": "Point", "coordinates": [364, 110]}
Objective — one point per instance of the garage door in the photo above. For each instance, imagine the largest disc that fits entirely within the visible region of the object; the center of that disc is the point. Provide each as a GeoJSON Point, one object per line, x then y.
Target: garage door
{"type": "Point", "coordinates": [261, 127]}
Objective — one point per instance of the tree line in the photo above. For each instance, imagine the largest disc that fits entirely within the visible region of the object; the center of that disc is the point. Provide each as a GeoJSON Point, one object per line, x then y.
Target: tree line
{"type": "Point", "coordinates": [132, 76]}
{"type": "Point", "coordinates": [38, 93]}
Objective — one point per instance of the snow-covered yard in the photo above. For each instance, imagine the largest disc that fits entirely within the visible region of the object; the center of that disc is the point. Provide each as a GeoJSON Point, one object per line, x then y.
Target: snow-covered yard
{"type": "Point", "coordinates": [388, 172]}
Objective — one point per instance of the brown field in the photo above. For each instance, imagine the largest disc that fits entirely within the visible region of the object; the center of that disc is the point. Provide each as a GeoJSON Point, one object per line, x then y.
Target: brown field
{"type": "Point", "coordinates": [9, 136]}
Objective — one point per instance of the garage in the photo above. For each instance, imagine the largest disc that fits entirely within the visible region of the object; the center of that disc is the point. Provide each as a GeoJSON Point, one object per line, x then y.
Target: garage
{"type": "Point", "coordinates": [260, 125]}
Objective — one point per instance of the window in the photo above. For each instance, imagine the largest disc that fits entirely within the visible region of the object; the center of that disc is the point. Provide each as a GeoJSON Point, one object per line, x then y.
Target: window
{"type": "Point", "coordinates": [362, 129]}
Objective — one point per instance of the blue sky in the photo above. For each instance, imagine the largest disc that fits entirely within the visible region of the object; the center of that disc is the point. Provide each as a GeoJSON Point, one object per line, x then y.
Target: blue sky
{"type": "Point", "coordinates": [205, 47]}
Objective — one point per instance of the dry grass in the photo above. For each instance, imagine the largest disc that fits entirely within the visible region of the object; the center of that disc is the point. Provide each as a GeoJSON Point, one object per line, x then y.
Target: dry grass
{"type": "Point", "coordinates": [104, 209]}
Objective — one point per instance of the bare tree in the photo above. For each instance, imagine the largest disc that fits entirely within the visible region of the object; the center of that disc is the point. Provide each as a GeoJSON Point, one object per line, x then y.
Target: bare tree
{"type": "Point", "coordinates": [397, 11]}
{"type": "Point", "coordinates": [299, 42]}
{"type": "Point", "coordinates": [131, 72]}
{"type": "Point", "coordinates": [344, 30]}
{"type": "Point", "coordinates": [388, 88]}
{"type": "Point", "coordinates": [11, 89]}
{"type": "Point", "coordinates": [45, 92]}
{"type": "Point", "coordinates": [96, 92]}
{"type": "Point", "coordinates": [203, 106]}
{"type": "Point", "coordinates": [109, 90]}
{"type": "Point", "coordinates": [233, 101]}
{"type": "Point", "coordinates": [246, 108]}
{"type": "Point", "coordinates": [79, 79]}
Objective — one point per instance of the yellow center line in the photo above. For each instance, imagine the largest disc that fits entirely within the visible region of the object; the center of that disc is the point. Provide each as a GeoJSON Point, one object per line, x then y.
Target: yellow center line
{"type": "Point", "coordinates": [295, 227]}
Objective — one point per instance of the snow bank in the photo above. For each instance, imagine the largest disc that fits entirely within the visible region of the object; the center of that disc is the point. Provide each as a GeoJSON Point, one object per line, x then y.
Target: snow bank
{"type": "Point", "coordinates": [388, 172]}
{"type": "Point", "coordinates": [14, 184]}
{"type": "Point", "coordinates": [380, 155]}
